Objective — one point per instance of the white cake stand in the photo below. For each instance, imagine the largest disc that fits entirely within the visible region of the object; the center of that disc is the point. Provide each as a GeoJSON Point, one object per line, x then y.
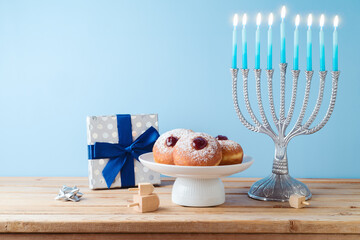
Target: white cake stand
{"type": "Point", "coordinates": [196, 186]}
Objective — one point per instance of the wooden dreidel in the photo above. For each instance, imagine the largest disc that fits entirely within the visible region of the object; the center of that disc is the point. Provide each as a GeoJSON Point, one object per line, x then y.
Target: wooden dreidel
{"type": "Point", "coordinates": [298, 201]}
{"type": "Point", "coordinates": [143, 189]}
{"type": "Point", "coordinates": [147, 203]}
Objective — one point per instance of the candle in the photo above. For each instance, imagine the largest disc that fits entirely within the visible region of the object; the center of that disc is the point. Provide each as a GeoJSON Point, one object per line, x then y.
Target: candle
{"type": "Point", "coordinates": [269, 56]}
{"type": "Point", "coordinates": [296, 43]}
{"type": "Point", "coordinates": [282, 36]}
{"type": "Point", "coordinates": [335, 44]}
{"type": "Point", "coordinates": [257, 42]}
{"type": "Point", "coordinates": [234, 55]}
{"type": "Point", "coordinates": [244, 43]}
{"type": "Point", "coordinates": [322, 44]}
{"type": "Point", "coordinates": [309, 45]}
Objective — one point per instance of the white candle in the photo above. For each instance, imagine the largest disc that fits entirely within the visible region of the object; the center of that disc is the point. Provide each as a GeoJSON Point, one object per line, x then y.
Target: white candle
{"type": "Point", "coordinates": [335, 44]}
{"type": "Point", "coordinates": [244, 43]}
{"type": "Point", "coordinates": [234, 56]}
{"type": "Point", "coordinates": [296, 43]}
{"type": "Point", "coordinates": [309, 45]}
{"type": "Point", "coordinates": [322, 43]}
{"type": "Point", "coordinates": [257, 42]}
{"type": "Point", "coordinates": [269, 57]}
{"type": "Point", "coordinates": [282, 36]}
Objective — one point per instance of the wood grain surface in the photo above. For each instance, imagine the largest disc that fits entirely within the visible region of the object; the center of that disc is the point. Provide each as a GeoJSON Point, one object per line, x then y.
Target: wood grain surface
{"type": "Point", "coordinates": [28, 208]}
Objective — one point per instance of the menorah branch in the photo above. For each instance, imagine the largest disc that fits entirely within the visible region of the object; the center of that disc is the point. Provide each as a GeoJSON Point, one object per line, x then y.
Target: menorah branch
{"type": "Point", "coordinates": [283, 67]}
{"type": "Point", "coordinates": [335, 78]}
{"type": "Point", "coordinates": [322, 75]}
{"type": "Point", "coordinates": [260, 104]}
{"type": "Point", "coordinates": [295, 75]}
{"type": "Point", "coordinates": [270, 74]}
{"type": "Point", "coordinates": [234, 74]}
{"type": "Point", "coordinates": [305, 128]}
{"type": "Point", "coordinates": [245, 74]}
{"type": "Point", "coordinates": [297, 126]}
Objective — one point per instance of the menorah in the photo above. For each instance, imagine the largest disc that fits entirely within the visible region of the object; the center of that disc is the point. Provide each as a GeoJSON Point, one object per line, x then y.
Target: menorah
{"type": "Point", "coordinates": [279, 186]}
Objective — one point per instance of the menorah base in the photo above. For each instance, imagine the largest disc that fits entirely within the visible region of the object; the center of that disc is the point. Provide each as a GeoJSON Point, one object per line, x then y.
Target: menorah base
{"type": "Point", "coordinates": [278, 188]}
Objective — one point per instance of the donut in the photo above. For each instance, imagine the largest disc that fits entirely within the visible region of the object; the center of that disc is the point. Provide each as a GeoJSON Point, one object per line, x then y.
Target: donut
{"type": "Point", "coordinates": [197, 149]}
{"type": "Point", "coordinates": [164, 145]}
{"type": "Point", "coordinates": [232, 152]}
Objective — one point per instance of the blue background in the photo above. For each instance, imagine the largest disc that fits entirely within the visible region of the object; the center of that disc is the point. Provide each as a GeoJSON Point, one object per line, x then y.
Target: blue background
{"type": "Point", "coordinates": [61, 61]}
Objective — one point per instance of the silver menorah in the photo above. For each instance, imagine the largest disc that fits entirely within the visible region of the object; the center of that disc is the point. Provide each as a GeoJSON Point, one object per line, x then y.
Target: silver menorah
{"type": "Point", "coordinates": [280, 185]}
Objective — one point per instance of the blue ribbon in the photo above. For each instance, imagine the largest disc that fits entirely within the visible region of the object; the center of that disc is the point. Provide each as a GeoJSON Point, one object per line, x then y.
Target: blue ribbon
{"type": "Point", "coordinates": [122, 154]}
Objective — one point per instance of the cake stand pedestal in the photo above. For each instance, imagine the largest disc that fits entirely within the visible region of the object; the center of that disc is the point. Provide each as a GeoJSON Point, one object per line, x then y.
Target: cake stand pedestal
{"type": "Point", "coordinates": [196, 186]}
{"type": "Point", "coordinates": [198, 192]}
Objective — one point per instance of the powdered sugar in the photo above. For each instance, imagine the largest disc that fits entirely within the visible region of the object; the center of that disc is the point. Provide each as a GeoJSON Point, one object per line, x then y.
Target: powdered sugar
{"type": "Point", "coordinates": [184, 148]}
{"type": "Point", "coordinates": [160, 143]}
{"type": "Point", "coordinates": [229, 145]}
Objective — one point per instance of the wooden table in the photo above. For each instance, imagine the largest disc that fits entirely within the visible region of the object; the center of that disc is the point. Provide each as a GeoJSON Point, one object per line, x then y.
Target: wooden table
{"type": "Point", "coordinates": [28, 209]}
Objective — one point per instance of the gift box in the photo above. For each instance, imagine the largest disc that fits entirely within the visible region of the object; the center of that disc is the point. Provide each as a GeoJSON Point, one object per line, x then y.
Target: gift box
{"type": "Point", "coordinates": [114, 144]}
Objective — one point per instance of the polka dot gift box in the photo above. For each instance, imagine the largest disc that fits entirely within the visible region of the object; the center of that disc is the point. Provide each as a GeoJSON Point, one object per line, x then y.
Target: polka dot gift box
{"type": "Point", "coordinates": [114, 143]}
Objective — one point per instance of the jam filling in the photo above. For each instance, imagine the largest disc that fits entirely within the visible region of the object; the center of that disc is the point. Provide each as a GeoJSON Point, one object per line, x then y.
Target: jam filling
{"type": "Point", "coordinates": [171, 141]}
{"type": "Point", "coordinates": [199, 143]}
{"type": "Point", "coordinates": [221, 137]}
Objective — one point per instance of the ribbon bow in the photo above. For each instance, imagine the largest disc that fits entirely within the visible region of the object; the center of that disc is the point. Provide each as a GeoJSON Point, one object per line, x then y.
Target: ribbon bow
{"type": "Point", "coordinates": [122, 154]}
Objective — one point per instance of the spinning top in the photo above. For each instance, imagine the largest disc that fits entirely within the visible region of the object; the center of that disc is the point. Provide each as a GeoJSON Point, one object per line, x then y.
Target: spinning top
{"type": "Point", "coordinates": [298, 201]}
{"type": "Point", "coordinates": [143, 189]}
{"type": "Point", "coordinates": [148, 203]}
{"type": "Point", "coordinates": [145, 200]}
